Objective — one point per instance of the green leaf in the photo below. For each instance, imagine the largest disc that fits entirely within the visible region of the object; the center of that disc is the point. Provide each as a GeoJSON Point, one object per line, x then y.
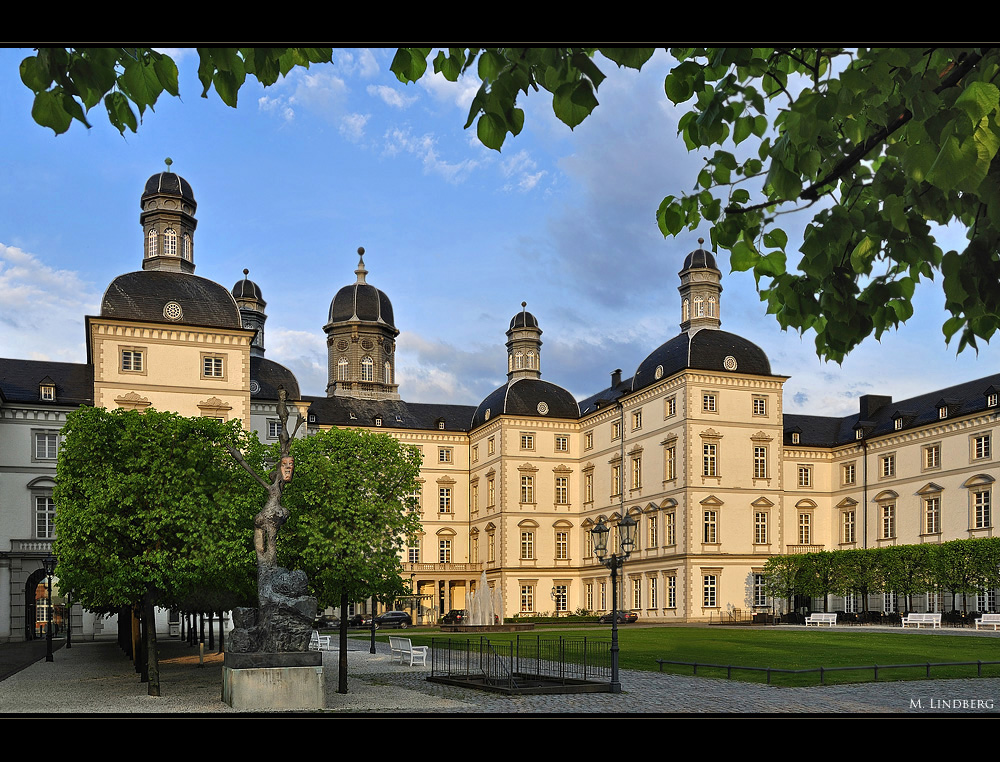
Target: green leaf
{"type": "Point", "coordinates": [573, 102]}
{"type": "Point", "coordinates": [491, 130]}
{"type": "Point", "coordinates": [632, 58]}
{"type": "Point", "coordinates": [409, 64]}
{"type": "Point", "coordinates": [48, 111]}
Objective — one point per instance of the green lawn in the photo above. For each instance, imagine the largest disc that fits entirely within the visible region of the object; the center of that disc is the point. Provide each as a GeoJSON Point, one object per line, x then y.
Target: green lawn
{"type": "Point", "coordinates": [785, 649]}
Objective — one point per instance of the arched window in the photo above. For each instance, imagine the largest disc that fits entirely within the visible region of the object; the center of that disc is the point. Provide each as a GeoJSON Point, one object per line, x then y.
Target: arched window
{"type": "Point", "coordinates": [518, 360]}
{"type": "Point", "coordinates": [342, 369]}
{"type": "Point", "coordinates": [531, 359]}
{"type": "Point", "coordinates": [186, 247]}
{"type": "Point", "coordinates": [699, 307]}
{"type": "Point", "coordinates": [711, 306]}
{"type": "Point", "coordinates": [685, 311]}
{"type": "Point", "coordinates": [151, 248]}
{"type": "Point", "coordinates": [367, 369]}
{"type": "Point", "coordinates": [170, 242]}
{"type": "Point", "coordinates": [388, 372]}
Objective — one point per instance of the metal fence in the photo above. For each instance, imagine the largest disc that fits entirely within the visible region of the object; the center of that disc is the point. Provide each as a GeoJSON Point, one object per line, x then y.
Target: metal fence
{"type": "Point", "coordinates": [526, 661]}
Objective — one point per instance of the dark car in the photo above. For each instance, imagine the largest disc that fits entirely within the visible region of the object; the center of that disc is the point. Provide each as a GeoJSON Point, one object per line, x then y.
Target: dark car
{"type": "Point", "coordinates": [360, 620]}
{"type": "Point", "coordinates": [455, 616]}
{"type": "Point", "coordinates": [624, 617]}
{"type": "Point", "coordinates": [399, 619]}
{"type": "Point", "coordinates": [326, 622]}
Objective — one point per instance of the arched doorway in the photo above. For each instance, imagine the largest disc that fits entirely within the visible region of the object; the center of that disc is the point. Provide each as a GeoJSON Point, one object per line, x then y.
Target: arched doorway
{"type": "Point", "coordinates": [36, 607]}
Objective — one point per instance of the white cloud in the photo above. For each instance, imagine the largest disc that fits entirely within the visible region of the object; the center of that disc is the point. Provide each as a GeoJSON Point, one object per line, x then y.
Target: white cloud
{"type": "Point", "coordinates": [458, 93]}
{"type": "Point", "coordinates": [391, 96]}
{"type": "Point", "coordinates": [352, 126]}
{"type": "Point", "coordinates": [361, 62]}
{"type": "Point", "coordinates": [317, 90]}
{"type": "Point", "coordinates": [42, 308]}
{"type": "Point", "coordinates": [400, 140]}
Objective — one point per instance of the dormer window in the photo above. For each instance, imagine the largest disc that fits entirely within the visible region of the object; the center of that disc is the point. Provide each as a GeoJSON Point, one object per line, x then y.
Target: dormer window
{"type": "Point", "coordinates": [378, 420]}
{"type": "Point", "coordinates": [943, 412]}
{"type": "Point", "coordinates": [795, 437]}
{"type": "Point", "coordinates": [440, 423]}
{"type": "Point", "coordinates": [859, 433]}
{"type": "Point", "coordinates": [46, 390]}
{"type": "Point", "coordinates": [898, 423]}
{"type": "Point", "coordinates": [991, 400]}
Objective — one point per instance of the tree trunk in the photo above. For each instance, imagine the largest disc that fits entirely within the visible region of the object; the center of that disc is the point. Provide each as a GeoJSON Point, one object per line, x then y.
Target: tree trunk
{"type": "Point", "coordinates": [222, 634]}
{"type": "Point", "coordinates": [139, 646]}
{"type": "Point", "coordinates": [342, 664]}
{"type": "Point", "coordinates": [153, 664]}
{"type": "Point", "coordinates": [211, 630]}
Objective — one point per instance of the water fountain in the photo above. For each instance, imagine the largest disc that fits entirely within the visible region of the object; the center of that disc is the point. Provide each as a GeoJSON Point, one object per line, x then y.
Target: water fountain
{"type": "Point", "coordinates": [485, 612]}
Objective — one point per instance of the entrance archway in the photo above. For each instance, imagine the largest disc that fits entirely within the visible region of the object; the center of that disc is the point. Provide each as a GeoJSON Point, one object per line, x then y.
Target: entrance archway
{"type": "Point", "coordinates": [36, 606]}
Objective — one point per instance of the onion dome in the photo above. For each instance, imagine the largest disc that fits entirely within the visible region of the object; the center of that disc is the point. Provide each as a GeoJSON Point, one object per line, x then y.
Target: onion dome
{"type": "Point", "coordinates": [361, 301]}
{"type": "Point", "coordinates": [266, 376]}
{"type": "Point", "coordinates": [247, 290]}
{"type": "Point", "coordinates": [712, 350]}
{"type": "Point", "coordinates": [523, 319]}
{"type": "Point", "coordinates": [161, 296]}
{"type": "Point", "coordinates": [169, 184]}
{"type": "Point", "coordinates": [699, 259]}
{"type": "Point", "coordinates": [528, 397]}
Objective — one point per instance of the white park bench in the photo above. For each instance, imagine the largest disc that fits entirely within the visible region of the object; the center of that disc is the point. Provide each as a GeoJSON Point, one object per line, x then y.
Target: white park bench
{"type": "Point", "coordinates": [819, 618]}
{"type": "Point", "coordinates": [404, 648]}
{"type": "Point", "coordinates": [320, 642]}
{"type": "Point", "coordinates": [988, 620]}
{"type": "Point", "coordinates": [918, 620]}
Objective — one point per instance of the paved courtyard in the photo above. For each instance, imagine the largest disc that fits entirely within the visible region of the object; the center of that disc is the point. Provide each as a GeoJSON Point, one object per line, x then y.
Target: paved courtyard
{"type": "Point", "coordinates": [96, 678]}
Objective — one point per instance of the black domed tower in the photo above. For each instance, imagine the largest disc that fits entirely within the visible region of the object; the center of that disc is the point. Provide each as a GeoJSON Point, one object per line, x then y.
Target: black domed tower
{"type": "Point", "coordinates": [168, 223]}
{"type": "Point", "coordinates": [248, 298]}
{"type": "Point", "coordinates": [524, 346]}
{"type": "Point", "coordinates": [701, 289]}
{"type": "Point", "coordinates": [361, 342]}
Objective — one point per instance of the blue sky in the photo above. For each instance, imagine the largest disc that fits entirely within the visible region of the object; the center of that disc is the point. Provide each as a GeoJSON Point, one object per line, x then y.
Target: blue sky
{"type": "Point", "coordinates": [293, 181]}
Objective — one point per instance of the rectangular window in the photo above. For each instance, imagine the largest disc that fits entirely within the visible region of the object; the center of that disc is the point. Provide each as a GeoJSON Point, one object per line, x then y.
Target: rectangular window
{"type": "Point", "coordinates": [45, 518]}
{"type": "Point", "coordinates": [474, 548]}
{"type": "Point", "coordinates": [527, 441]}
{"type": "Point", "coordinates": [561, 597]}
{"type": "Point", "coordinates": [887, 466]}
{"type": "Point", "coordinates": [709, 403]}
{"type": "Point", "coordinates": [562, 444]}
{"type": "Point", "coordinates": [759, 462]}
{"type": "Point", "coordinates": [474, 497]}
{"type": "Point", "coordinates": [213, 366]}
{"type": "Point", "coordinates": [670, 528]}
{"type": "Point", "coordinates": [444, 500]}
{"type": "Point", "coordinates": [636, 420]}
{"type": "Point", "coordinates": [982, 509]}
{"type": "Point", "coordinates": [888, 512]}
{"type": "Point", "coordinates": [413, 554]}
{"type": "Point", "coordinates": [562, 490]}
{"type": "Point", "coordinates": [444, 551]}
{"type": "Point", "coordinates": [848, 525]}
{"type": "Point", "coordinates": [588, 488]}
{"type": "Point", "coordinates": [491, 492]}
{"type": "Point", "coordinates": [475, 454]}
{"type": "Point", "coordinates": [759, 406]}
{"type": "Point", "coordinates": [491, 446]}
{"type": "Point", "coordinates": [932, 515]}
{"type": "Point", "coordinates": [590, 596]}
{"type": "Point", "coordinates": [132, 361]}
{"type": "Point", "coordinates": [636, 473]}
{"type": "Point", "coordinates": [47, 393]}
{"type": "Point", "coordinates": [604, 596]}
{"type": "Point", "coordinates": [652, 592]}
{"type": "Point", "coordinates": [651, 533]}
{"type": "Point", "coordinates": [616, 480]}
{"type": "Point", "coordinates": [671, 407]}
{"type": "Point", "coordinates": [711, 529]}
{"type": "Point", "coordinates": [805, 476]}
{"type": "Point", "coordinates": [710, 462]}
{"type": "Point", "coordinates": [760, 528]}
{"type": "Point", "coordinates": [671, 592]}
{"type": "Point", "coordinates": [527, 546]}
{"type": "Point", "coordinates": [932, 456]}
{"type": "Point", "coordinates": [444, 455]}
{"type": "Point", "coordinates": [527, 598]}
{"type": "Point", "coordinates": [273, 429]}
{"type": "Point", "coordinates": [562, 546]}
{"type": "Point", "coordinates": [616, 430]}
{"type": "Point", "coordinates": [670, 464]}
{"type": "Point", "coordinates": [805, 529]}
{"type": "Point", "coordinates": [981, 447]}
{"type": "Point", "coordinates": [850, 473]}
{"type": "Point", "coordinates": [759, 594]}
{"type": "Point", "coordinates": [491, 548]}
{"type": "Point", "coordinates": [710, 583]}
{"type": "Point", "coordinates": [588, 440]}
{"type": "Point", "coordinates": [527, 489]}
{"type": "Point", "coordinates": [637, 592]}
{"type": "Point", "coordinates": [46, 445]}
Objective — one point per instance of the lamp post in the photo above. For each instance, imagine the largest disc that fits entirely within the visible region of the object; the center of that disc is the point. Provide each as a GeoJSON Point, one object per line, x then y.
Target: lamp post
{"type": "Point", "coordinates": [614, 562]}
{"type": "Point", "coordinates": [49, 564]}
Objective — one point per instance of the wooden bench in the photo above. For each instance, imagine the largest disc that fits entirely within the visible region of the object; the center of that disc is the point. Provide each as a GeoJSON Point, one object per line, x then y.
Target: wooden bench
{"type": "Point", "coordinates": [320, 642]}
{"type": "Point", "coordinates": [404, 648]}
{"type": "Point", "coordinates": [819, 618]}
{"type": "Point", "coordinates": [918, 620]}
{"type": "Point", "coordinates": [988, 620]}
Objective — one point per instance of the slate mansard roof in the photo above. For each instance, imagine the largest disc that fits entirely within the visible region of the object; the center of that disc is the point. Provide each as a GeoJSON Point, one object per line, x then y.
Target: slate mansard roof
{"type": "Point", "coordinates": [395, 414]}
{"type": "Point", "coordinates": [266, 376]}
{"type": "Point", "coordinates": [530, 397]}
{"type": "Point", "coordinates": [20, 379]}
{"type": "Point", "coordinates": [962, 399]}
{"type": "Point", "coordinates": [144, 294]}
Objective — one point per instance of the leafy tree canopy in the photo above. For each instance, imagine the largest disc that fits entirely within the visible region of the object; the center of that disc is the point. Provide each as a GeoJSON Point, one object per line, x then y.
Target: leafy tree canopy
{"type": "Point", "coordinates": [149, 506]}
{"type": "Point", "coordinates": [885, 143]}
{"type": "Point", "coordinates": [69, 82]}
{"type": "Point", "coordinates": [349, 506]}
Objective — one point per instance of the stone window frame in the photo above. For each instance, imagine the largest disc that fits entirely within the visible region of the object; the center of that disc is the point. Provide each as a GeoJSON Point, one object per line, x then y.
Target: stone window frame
{"type": "Point", "coordinates": [132, 352]}
{"type": "Point", "coordinates": [926, 452]}
{"type": "Point", "coordinates": [213, 358]}
{"type": "Point", "coordinates": [980, 446]}
{"type": "Point", "coordinates": [36, 435]}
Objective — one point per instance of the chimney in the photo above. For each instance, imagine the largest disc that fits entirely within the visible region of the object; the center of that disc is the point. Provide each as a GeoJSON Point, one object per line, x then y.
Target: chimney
{"type": "Point", "coordinates": [616, 378]}
{"type": "Point", "coordinates": [871, 404]}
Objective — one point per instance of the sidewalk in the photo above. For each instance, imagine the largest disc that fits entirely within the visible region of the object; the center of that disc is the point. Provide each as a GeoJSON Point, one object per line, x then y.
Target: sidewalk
{"type": "Point", "coordinates": [97, 678]}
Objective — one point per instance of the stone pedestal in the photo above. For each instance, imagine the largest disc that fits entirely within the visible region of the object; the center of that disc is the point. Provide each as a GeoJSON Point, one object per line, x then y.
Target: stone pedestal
{"type": "Point", "coordinates": [255, 682]}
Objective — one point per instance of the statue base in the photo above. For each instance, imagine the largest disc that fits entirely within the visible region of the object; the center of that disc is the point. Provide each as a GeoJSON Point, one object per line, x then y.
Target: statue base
{"type": "Point", "coordinates": [274, 682]}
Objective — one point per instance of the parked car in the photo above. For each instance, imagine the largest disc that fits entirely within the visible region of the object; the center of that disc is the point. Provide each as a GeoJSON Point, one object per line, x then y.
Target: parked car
{"type": "Point", "coordinates": [326, 622]}
{"type": "Point", "coordinates": [399, 619]}
{"type": "Point", "coordinates": [455, 616]}
{"type": "Point", "coordinates": [624, 617]}
{"type": "Point", "coordinates": [360, 620]}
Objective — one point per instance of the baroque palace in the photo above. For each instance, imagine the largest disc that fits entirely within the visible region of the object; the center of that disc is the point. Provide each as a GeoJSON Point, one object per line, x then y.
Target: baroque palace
{"type": "Point", "coordinates": [694, 445]}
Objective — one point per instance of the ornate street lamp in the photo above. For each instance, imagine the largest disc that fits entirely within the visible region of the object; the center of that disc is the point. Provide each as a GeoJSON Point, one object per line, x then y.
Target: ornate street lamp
{"type": "Point", "coordinates": [49, 564]}
{"type": "Point", "coordinates": [614, 562]}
